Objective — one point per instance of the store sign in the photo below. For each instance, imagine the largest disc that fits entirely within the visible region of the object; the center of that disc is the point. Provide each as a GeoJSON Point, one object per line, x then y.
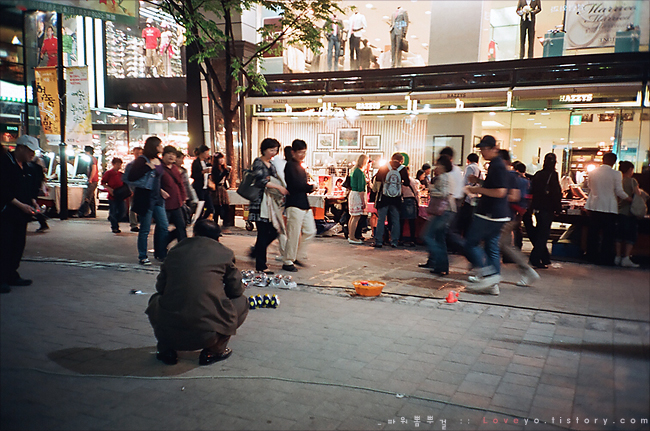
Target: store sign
{"type": "Point", "coordinates": [368, 106]}
{"type": "Point", "coordinates": [576, 120]}
{"type": "Point", "coordinates": [78, 118]}
{"type": "Point", "coordinates": [125, 11]}
{"type": "Point", "coordinates": [593, 24]}
{"type": "Point", "coordinates": [572, 98]}
{"type": "Point", "coordinates": [47, 97]}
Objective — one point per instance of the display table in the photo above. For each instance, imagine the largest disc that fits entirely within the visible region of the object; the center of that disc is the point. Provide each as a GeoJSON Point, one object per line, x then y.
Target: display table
{"type": "Point", "coordinates": [75, 196]}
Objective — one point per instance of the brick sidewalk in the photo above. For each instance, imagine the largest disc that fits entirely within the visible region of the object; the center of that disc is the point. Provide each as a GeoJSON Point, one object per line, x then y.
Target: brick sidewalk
{"type": "Point", "coordinates": [489, 359]}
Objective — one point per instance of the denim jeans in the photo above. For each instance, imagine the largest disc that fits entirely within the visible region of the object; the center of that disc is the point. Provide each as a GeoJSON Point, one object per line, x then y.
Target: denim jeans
{"type": "Point", "coordinates": [116, 210]}
{"type": "Point", "coordinates": [436, 240]}
{"type": "Point", "coordinates": [159, 236]}
{"type": "Point", "coordinates": [489, 232]}
{"type": "Point", "coordinates": [394, 217]}
{"type": "Point", "coordinates": [333, 50]}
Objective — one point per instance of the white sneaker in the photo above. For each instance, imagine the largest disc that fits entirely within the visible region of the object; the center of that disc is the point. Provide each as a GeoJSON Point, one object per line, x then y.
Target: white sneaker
{"type": "Point", "coordinates": [528, 278]}
{"type": "Point", "coordinates": [490, 280]}
{"type": "Point", "coordinates": [627, 263]}
{"type": "Point", "coordinates": [475, 278]}
{"type": "Point", "coordinates": [617, 261]}
{"type": "Point", "coordinates": [354, 241]}
{"type": "Point", "coordinates": [485, 290]}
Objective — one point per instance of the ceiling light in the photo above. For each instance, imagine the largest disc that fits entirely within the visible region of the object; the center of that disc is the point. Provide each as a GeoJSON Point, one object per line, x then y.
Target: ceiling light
{"type": "Point", "coordinates": [385, 17]}
{"type": "Point", "coordinates": [542, 127]}
{"type": "Point", "coordinates": [369, 6]}
{"type": "Point", "coordinates": [413, 36]}
{"type": "Point", "coordinates": [546, 113]}
{"type": "Point", "coordinates": [425, 45]}
{"type": "Point", "coordinates": [377, 40]}
{"type": "Point", "coordinates": [491, 124]}
{"type": "Point", "coordinates": [493, 113]}
{"type": "Point", "coordinates": [428, 12]}
{"type": "Point", "coordinates": [537, 124]}
{"type": "Point", "coordinates": [531, 119]}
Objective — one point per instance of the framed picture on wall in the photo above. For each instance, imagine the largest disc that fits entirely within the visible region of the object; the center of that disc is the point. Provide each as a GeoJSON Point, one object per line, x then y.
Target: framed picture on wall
{"type": "Point", "coordinates": [325, 141]}
{"type": "Point", "coordinates": [375, 158]}
{"type": "Point", "coordinates": [319, 158]}
{"type": "Point", "coordinates": [456, 142]}
{"type": "Point", "coordinates": [371, 142]}
{"type": "Point", "coordinates": [476, 140]}
{"type": "Point", "coordinates": [345, 160]}
{"type": "Point", "coordinates": [348, 139]}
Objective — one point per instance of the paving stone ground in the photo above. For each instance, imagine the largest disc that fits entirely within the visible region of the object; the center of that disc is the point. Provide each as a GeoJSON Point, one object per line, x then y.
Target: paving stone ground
{"type": "Point", "coordinates": [77, 351]}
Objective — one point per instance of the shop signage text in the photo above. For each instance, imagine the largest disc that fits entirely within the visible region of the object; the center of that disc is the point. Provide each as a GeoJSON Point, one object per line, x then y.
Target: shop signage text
{"type": "Point", "coordinates": [456, 95]}
{"type": "Point", "coordinates": [576, 97]}
{"type": "Point", "coordinates": [367, 106]}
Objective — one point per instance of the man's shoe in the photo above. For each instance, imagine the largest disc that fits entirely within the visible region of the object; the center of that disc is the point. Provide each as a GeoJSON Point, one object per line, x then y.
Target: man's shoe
{"type": "Point", "coordinates": [20, 282]}
{"type": "Point", "coordinates": [116, 231]}
{"type": "Point", "coordinates": [290, 268]}
{"type": "Point", "coordinates": [135, 229]}
{"type": "Point", "coordinates": [145, 261]}
{"type": "Point", "coordinates": [483, 290]}
{"type": "Point", "coordinates": [207, 357]}
{"type": "Point", "coordinates": [4, 288]}
{"type": "Point", "coordinates": [168, 357]}
{"type": "Point", "coordinates": [42, 229]}
{"type": "Point", "coordinates": [375, 245]}
{"type": "Point", "coordinates": [627, 263]}
{"type": "Point", "coordinates": [393, 245]}
{"type": "Point", "coordinates": [299, 263]}
{"type": "Point", "coordinates": [528, 278]}
{"type": "Point", "coordinates": [426, 264]}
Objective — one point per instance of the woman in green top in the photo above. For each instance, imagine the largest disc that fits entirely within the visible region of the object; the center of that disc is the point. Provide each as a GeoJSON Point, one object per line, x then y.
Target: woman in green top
{"type": "Point", "coordinates": [357, 198]}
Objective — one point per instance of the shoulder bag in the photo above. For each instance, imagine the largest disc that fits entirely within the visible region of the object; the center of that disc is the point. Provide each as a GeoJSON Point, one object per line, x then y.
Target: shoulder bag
{"type": "Point", "coordinates": [437, 205]}
{"type": "Point", "coordinates": [247, 187]}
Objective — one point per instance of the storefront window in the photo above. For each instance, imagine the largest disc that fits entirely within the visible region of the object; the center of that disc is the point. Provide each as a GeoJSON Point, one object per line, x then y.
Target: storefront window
{"type": "Point", "coordinates": [154, 49]}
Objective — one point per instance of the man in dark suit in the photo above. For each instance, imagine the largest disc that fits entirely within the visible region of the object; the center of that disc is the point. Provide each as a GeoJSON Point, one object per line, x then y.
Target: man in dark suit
{"type": "Point", "coordinates": [527, 9]}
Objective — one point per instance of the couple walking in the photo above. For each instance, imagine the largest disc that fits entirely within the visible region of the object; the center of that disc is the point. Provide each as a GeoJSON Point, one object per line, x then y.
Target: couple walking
{"type": "Point", "coordinates": [266, 210]}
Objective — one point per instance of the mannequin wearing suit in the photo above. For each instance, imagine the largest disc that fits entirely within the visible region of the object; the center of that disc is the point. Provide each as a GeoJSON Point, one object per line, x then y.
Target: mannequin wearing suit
{"type": "Point", "coordinates": [527, 9]}
{"type": "Point", "coordinates": [334, 37]}
{"type": "Point", "coordinates": [357, 26]}
{"type": "Point", "coordinates": [399, 24]}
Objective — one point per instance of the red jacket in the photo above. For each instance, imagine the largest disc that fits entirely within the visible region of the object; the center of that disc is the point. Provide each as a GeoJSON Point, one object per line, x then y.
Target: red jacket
{"type": "Point", "coordinates": [113, 179]}
{"type": "Point", "coordinates": [172, 183]}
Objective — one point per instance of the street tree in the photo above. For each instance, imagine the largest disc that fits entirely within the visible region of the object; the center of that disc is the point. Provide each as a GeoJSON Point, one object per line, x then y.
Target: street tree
{"type": "Point", "coordinates": [209, 32]}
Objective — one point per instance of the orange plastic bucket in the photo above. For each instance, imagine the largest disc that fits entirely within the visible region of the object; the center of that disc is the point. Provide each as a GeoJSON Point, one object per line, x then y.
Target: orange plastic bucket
{"type": "Point", "coordinates": [368, 287]}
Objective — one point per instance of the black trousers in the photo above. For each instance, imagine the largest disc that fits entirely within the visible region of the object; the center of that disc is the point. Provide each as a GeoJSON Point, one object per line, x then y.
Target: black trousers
{"type": "Point", "coordinates": [600, 238]}
{"type": "Point", "coordinates": [13, 233]}
{"type": "Point", "coordinates": [355, 43]}
{"type": "Point", "coordinates": [266, 234]}
{"type": "Point", "coordinates": [526, 27]}
{"type": "Point", "coordinates": [176, 218]}
{"type": "Point", "coordinates": [539, 235]}
{"type": "Point", "coordinates": [208, 207]}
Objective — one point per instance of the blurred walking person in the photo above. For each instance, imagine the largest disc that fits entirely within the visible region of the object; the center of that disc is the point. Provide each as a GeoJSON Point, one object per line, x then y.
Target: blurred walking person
{"type": "Point", "coordinates": [173, 192]}
{"type": "Point", "coordinates": [357, 199]}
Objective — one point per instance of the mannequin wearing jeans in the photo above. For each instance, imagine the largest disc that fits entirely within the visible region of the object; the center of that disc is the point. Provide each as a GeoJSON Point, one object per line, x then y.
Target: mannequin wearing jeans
{"type": "Point", "coordinates": [334, 44]}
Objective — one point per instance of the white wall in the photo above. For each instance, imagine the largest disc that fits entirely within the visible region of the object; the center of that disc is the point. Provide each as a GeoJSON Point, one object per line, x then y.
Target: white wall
{"type": "Point", "coordinates": [456, 32]}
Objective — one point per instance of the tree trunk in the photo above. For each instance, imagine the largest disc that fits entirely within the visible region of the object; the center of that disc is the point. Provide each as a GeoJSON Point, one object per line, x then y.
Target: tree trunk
{"type": "Point", "coordinates": [228, 118]}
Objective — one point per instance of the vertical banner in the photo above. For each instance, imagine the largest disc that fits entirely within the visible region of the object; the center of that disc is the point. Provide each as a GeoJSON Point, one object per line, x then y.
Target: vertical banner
{"type": "Point", "coordinates": [78, 120]}
{"type": "Point", "coordinates": [47, 96]}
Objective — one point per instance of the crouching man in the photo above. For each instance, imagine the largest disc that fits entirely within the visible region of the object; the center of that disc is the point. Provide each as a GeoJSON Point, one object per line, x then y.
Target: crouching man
{"type": "Point", "coordinates": [199, 302]}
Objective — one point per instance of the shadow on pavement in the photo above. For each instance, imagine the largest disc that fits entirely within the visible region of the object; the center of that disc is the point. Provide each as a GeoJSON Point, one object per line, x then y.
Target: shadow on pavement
{"type": "Point", "coordinates": [629, 351]}
{"type": "Point", "coordinates": [122, 362]}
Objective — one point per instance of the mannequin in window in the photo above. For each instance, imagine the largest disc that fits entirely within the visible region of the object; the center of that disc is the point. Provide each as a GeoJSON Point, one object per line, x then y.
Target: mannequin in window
{"type": "Point", "coordinates": [399, 24]}
{"type": "Point", "coordinates": [357, 26]}
{"type": "Point", "coordinates": [151, 37]}
{"type": "Point", "coordinates": [334, 38]}
{"type": "Point", "coordinates": [527, 9]}
{"type": "Point", "coordinates": [166, 50]}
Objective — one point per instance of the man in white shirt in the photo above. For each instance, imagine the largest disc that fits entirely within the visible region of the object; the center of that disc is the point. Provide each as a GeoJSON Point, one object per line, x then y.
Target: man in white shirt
{"type": "Point", "coordinates": [472, 176]}
{"type": "Point", "coordinates": [605, 185]}
{"type": "Point", "coordinates": [357, 26]}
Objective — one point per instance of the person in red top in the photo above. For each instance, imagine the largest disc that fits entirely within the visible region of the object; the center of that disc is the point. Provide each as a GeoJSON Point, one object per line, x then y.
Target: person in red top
{"type": "Point", "coordinates": [112, 180]}
{"type": "Point", "coordinates": [50, 47]}
{"type": "Point", "coordinates": [172, 189]}
{"type": "Point", "coordinates": [151, 37]}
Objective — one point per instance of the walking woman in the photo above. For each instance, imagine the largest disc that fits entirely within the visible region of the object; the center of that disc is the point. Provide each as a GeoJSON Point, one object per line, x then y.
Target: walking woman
{"type": "Point", "coordinates": [200, 174]}
{"type": "Point", "coordinates": [148, 202]}
{"type": "Point", "coordinates": [357, 200]}
{"type": "Point", "coordinates": [220, 178]}
{"type": "Point", "coordinates": [436, 233]}
{"type": "Point", "coordinates": [263, 170]}
{"type": "Point", "coordinates": [547, 200]}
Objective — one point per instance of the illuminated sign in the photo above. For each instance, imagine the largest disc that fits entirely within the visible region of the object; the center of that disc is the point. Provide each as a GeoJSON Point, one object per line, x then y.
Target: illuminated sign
{"type": "Point", "coordinates": [576, 120]}
{"type": "Point", "coordinates": [367, 106]}
{"type": "Point", "coordinates": [576, 97]}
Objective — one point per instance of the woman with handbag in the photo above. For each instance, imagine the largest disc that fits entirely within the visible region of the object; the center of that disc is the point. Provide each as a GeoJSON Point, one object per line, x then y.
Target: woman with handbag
{"type": "Point", "coordinates": [112, 181]}
{"type": "Point", "coordinates": [442, 206]}
{"type": "Point", "coordinates": [220, 177]}
{"type": "Point", "coordinates": [262, 171]}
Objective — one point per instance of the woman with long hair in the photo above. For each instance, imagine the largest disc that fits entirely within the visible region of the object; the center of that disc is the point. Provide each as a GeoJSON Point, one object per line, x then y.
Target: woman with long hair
{"type": "Point", "coordinates": [263, 170]}
{"type": "Point", "coordinates": [358, 198]}
{"type": "Point", "coordinates": [201, 170]}
{"type": "Point", "coordinates": [547, 200]}
{"type": "Point", "coordinates": [220, 178]}
{"type": "Point", "coordinates": [148, 199]}
{"type": "Point", "coordinates": [409, 209]}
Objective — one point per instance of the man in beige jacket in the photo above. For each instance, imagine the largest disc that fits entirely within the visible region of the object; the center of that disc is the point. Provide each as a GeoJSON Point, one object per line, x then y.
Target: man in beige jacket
{"type": "Point", "coordinates": [200, 299]}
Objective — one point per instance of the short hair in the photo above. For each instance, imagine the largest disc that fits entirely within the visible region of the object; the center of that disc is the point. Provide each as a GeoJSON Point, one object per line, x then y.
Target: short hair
{"type": "Point", "coordinates": [487, 141]}
{"type": "Point", "coordinates": [298, 145]}
{"type": "Point", "coordinates": [151, 147]}
{"type": "Point", "coordinates": [269, 143]}
{"type": "Point", "coordinates": [89, 149]}
{"type": "Point", "coordinates": [519, 167]}
{"type": "Point", "coordinates": [445, 161]}
{"type": "Point", "coordinates": [448, 151]}
{"type": "Point", "coordinates": [472, 158]}
{"type": "Point", "coordinates": [550, 159]}
{"type": "Point", "coordinates": [625, 166]}
{"type": "Point", "coordinates": [426, 166]}
{"type": "Point", "coordinates": [179, 154]}
{"type": "Point", "coordinates": [170, 149]}
{"type": "Point", "coordinates": [207, 228]}
{"type": "Point", "coordinates": [116, 160]}
{"type": "Point", "coordinates": [505, 155]}
{"type": "Point", "coordinates": [136, 149]}
{"type": "Point", "coordinates": [609, 159]}
{"type": "Point", "coordinates": [201, 149]}
{"type": "Point", "coordinates": [398, 157]}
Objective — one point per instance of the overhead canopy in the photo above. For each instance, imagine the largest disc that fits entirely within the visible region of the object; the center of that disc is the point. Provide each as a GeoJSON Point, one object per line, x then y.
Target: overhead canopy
{"type": "Point", "coordinates": [125, 11]}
